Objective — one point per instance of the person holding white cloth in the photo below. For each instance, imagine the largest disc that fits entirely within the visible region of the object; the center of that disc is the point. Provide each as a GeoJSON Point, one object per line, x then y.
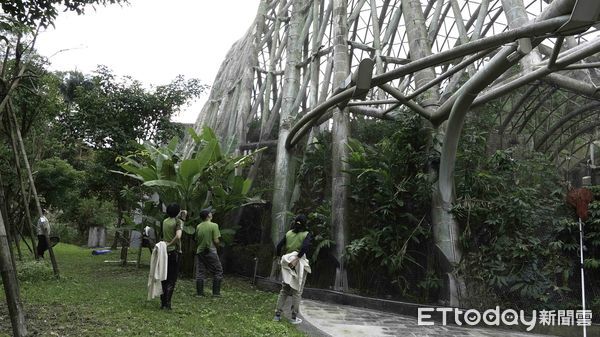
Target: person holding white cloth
{"type": "Point", "coordinates": [294, 266]}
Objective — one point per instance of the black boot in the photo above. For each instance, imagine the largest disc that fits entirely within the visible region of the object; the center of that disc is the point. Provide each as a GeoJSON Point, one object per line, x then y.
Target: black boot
{"type": "Point", "coordinates": [162, 301]}
{"type": "Point", "coordinates": [163, 296]}
{"type": "Point", "coordinates": [168, 296]}
{"type": "Point", "coordinates": [199, 288]}
{"type": "Point", "coordinates": [216, 288]}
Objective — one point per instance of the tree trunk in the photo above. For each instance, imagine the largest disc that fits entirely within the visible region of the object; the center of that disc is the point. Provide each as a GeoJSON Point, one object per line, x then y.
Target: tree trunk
{"type": "Point", "coordinates": [339, 158]}
{"type": "Point", "coordinates": [125, 246]}
{"type": "Point", "coordinates": [10, 231]}
{"type": "Point", "coordinates": [17, 239]}
{"type": "Point", "coordinates": [445, 227]}
{"type": "Point", "coordinates": [139, 255]}
{"type": "Point", "coordinates": [284, 168]}
{"type": "Point", "coordinates": [115, 241]}
{"type": "Point", "coordinates": [11, 286]}
{"type": "Point", "coordinates": [33, 190]}
{"type": "Point", "coordinates": [32, 231]}
{"type": "Point", "coordinates": [20, 234]}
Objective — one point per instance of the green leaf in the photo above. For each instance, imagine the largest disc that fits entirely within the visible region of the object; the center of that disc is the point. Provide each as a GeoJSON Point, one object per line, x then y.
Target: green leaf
{"type": "Point", "coordinates": [172, 146]}
{"type": "Point", "coordinates": [238, 185]}
{"type": "Point", "coordinates": [247, 185]}
{"type": "Point", "coordinates": [134, 176]}
{"type": "Point", "coordinates": [194, 135]}
{"type": "Point", "coordinates": [162, 183]}
{"type": "Point", "coordinates": [219, 192]}
{"type": "Point", "coordinates": [145, 173]}
{"type": "Point", "coordinates": [209, 136]}
{"type": "Point", "coordinates": [207, 153]}
{"type": "Point", "coordinates": [168, 171]}
{"type": "Point", "coordinates": [188, 169]}
{"type": "Point", "coordinates": [190, 230]}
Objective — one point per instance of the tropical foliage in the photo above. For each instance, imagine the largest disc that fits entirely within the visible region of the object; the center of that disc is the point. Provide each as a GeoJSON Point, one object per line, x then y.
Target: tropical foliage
{"type": "Point", "coordinates": [521, 241]}
{"type": "Point", "coordinates": [389, 194]}
{"type": "Point", "coordinates": [208, 178]}
{"type": "Point", "coordinates": [388, 202]}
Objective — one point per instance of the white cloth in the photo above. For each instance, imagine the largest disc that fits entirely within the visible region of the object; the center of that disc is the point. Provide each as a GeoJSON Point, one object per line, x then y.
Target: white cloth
{"type": "Point", "coordinates": [294, 277]}
{"type": "Point", "coordinates": [42, 224]}
{"type": "Point", "coordinates": [158, 270]}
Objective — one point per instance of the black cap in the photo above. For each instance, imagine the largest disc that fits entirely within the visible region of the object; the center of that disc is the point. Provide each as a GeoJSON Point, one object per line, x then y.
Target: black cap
{"type": "Point", "coordinates": [205, 212]}
{"type": "Point", "coordinates": [301, 220]}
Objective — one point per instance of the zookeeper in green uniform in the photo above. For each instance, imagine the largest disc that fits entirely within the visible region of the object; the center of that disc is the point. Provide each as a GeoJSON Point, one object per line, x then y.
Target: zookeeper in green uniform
{"type": "Point", "coordinates": [171, 234]}
{"type": "Point", "coordinates": [207, 241]}
{"type": "Point", "coordinates": [297, 239]}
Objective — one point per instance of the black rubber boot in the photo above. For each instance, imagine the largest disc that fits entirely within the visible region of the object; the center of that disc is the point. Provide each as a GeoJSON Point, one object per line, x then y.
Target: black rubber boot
{"type": "Point", "coordinates": [168, 296]}
{"type": "Point", "coordinates": [199, 288]}
{"type": "Point", "coordinates": [163, 296]}
{"type": "Point", "coordinates": [216, 288]}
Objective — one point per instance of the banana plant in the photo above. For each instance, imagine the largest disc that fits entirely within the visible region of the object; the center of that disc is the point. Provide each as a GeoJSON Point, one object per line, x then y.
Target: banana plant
{"type": "Point", "coordinates": [207, 178]}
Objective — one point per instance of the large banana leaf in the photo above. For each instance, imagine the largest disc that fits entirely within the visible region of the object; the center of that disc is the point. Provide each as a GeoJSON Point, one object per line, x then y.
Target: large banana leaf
{"type": "Point", "coordinates": [172, 146]}
{"type": "Point", "coordinates": [207, 178]}
{"type": "Point", "coordinates": [187, 170]}
{"type": "Point", "coordinates": [145, 173]}
{"type": "Point", "coordinates": [168, 171]}
{"type": "Point", "coordinates": [162, 183]}
{"type": "Point", "coordinates": [134, 176]}
{"type": "Point", "coordinates": [209, 136]}
{"type": "Point", "coordinates": [208, 152]}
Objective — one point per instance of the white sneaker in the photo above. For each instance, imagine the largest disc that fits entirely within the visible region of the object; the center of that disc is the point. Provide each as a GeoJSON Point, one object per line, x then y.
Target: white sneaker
{"type": "Point", "coordinates": [297, 320]}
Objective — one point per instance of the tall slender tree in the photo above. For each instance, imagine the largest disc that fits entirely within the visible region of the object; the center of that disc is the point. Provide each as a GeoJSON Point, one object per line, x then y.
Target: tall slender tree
{"type": "Point", "coordinates": [284, 165]}
{"type": "Point", "coordinates": [340, 134]}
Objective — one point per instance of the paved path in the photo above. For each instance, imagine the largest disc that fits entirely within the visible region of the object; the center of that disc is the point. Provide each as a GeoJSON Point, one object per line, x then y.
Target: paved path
{"type": "Point", "coordinates": [342, 320]}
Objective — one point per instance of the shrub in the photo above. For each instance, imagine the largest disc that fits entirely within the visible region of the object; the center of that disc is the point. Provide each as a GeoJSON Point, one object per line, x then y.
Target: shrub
{"type": "Point", "coordinates": [520, 241]}
{"type": "Point", "coordinates": [66, 232]}
{"type": "Point", "coordinates": [32, 271]}
{"type": "Point", "coordinates": [93, 213]}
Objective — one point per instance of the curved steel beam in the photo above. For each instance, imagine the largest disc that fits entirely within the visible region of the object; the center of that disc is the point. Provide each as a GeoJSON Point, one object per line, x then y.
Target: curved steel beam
{"type": "Point", "coordinates": [567, 127]}
{"type": "Point", "coordinates": [517, 106]}
{"type": "Point", "coordinates": [497, 92]}
{"type": "Point", "coordinates": [542, 122]}
{"type": "Point", "coordinates": [535, 29]}
{"type": "Point", "coordinates": [586, 129]}
{"type": "Point", "coordinates": [564, 120]}
{"type": "Point", "coordinates": [587, 143]}
{"type": "Point", "coordinates": [466, 96]}
{"type": "Point", "coordinates": [536, 108]}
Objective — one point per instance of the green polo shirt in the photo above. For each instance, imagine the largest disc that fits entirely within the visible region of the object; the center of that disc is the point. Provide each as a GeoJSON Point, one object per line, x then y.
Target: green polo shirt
{"type": "Point", "coordinates": [169, 228]}
{"type": "Point", "coordinates": [206, 233]}
{"type": "Point", "coordinates": [293, 241]}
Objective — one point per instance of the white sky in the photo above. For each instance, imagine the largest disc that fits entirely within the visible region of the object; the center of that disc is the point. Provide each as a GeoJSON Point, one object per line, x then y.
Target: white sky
{"type": "Point", "coordinates": [151, 40]}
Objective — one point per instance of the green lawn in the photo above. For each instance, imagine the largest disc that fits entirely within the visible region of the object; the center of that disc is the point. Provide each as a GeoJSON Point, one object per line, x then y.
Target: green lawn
{"type": "Point", "coordinates": [94, 298]}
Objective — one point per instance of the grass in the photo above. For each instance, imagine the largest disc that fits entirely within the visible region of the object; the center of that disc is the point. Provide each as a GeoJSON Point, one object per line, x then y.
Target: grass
{"type": "Point", "coordinates": [94, 298]}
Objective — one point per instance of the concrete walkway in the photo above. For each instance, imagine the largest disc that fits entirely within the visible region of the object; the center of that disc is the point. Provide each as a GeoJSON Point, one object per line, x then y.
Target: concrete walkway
{"type": "Point", "coordinates": [342, 320]}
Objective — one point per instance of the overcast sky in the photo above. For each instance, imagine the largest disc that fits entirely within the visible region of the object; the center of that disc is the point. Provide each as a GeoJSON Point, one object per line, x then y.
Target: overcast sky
{"type": "Point", "coordinates": [151, 40]}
